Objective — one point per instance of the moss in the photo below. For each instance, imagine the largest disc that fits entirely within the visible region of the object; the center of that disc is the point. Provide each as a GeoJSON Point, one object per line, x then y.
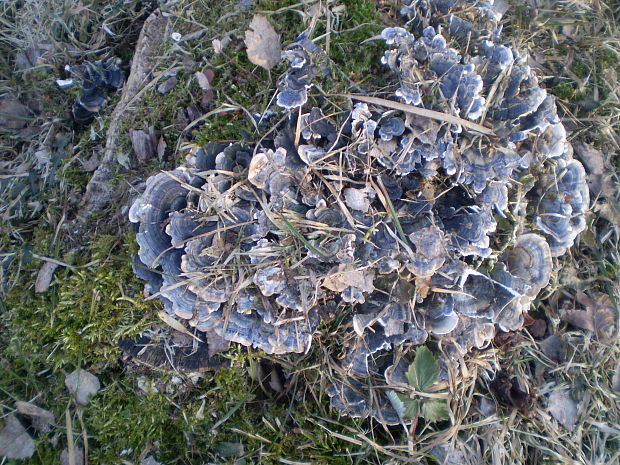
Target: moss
{"type": "Point", "coordinates": [564, 90]}
{"type": "Point", "coordinates": [227, 127]}
{"type": "Point", "coordinates": [122, 422]}
{"type": "Point", "coordinates": [580, 68]}
{"type": "Point", "coordinates": [606, 58]}
{"type": "Point", "coordinates": [362, 22]}
{"type": "Point", "coordinates": [84, 313]}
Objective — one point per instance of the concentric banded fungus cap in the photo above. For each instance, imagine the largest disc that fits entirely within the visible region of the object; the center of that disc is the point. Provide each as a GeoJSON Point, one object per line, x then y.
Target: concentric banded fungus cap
{"type": "Point", "coordinates": [565, 199]}
{"type": "Point", "coordinates": [164, 193]}
{"type": "Point", "coordinates": [530, 259]}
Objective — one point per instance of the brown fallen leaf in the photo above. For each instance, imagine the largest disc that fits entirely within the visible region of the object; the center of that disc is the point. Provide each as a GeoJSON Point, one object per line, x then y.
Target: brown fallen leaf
{"type": "Point", "coordinates": [505, 340]}
{"type": "Point", "coordinates": [263, 43]}
{"type": "Point", "coordinates": [44, 277]}
{"type": "Point", "coordinates": [592, 159]}
{"type": "Point", "coordinates": [167, 85]}
{"type": "Point", "coordinates": [535, 324]}
{"type": "Point", "coordinates": [216, 343]}
{"type": "Point", "coordinates": [611, 212]}
{"type": "Point", "coordinates": [598, 317]}
{"type": "Point", "coordinates": [91, 163]}
{"type": "Point", "coordinates": [204, 79]}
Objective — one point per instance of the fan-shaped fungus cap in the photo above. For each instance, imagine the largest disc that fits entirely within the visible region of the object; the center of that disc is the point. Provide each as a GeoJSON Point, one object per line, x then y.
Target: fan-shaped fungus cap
{"type": "Point", "coordinates": [530, 259]}
{"type": "Point", "coordinates": [562, 206]}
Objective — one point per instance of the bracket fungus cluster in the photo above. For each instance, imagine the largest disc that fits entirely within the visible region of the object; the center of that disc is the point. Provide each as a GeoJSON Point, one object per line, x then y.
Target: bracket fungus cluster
{"type": "Point", "coordinates": [98, 78]}
{"type": "Point", "coordinates": [403, 226]}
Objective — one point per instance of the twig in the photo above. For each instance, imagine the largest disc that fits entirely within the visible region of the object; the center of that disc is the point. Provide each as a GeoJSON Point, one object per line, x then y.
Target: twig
{"type": "Point", "coordinates": [420, 112]}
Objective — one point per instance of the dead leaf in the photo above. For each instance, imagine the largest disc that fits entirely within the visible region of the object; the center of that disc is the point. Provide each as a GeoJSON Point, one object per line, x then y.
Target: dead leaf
{"type": "Point", "coordinates": [44, 277]}
{"type": "Point", "coordinates": [563, 408]}
{"type": "Point", "coordinates": [504, 340]}
{"type": "Point", "coordinates": [82, 385]}
{"type": "Point", "coordinates": [150, 460]}
{"type": "Point", "coordinates": [592, 159]}
{"type": "Point", "coordinates": [598, 317]}
{"type": "Point", "coordinates": [423, 285]}
{"type": "Point", "coordinates": [91, 163]}
{"type": "Point", "coordinates": [216, 343]}
{"type": "Point", "coordinates": [13, 115]}
{"type": "Point", "coordinates": [553, 349]}
{"type": "Point", "coordinates": [42, 419]}
{"type": "Point", "coordinates": [346, 277]}
{"type": "Point", "coordinates": [487, 407]}
{"type": "Point", "coordinates": [204, 79]}
{"type": "Point", "coordinates": [615, 380]}
{"type": "Point", "coordinates": [167, 85]}
{"type": "Point", "coordinates": [535, 324]}
{"type": "Point", "coordinates": [171, 321]}
{"type": "Point", "coordinates": [315, 10]}
{"type": "Point", "coordinates": [161, 148]}
{"type": "Point", "coordinates": [218, 46]}
{"type": "Point", "coordinates": [78, 456]}
{"type": "Point", "coordinates": [357, 199]}
{"type": "Point", "coordinates": [599, 177]}
{"type": "Point", "coordinates": [275, 382]}
{"type": "Point", "coordinates": [263, 43]}
{"type": "Point", "coordinates": [15, 442]}
{"type": "Point", "coordinates": [144, 144]}
{"type": "Point", "coordinates": [508, 392]}
{"type": "Point", "coordinates": [383, 148]}
{"type": "Point", "coordinates": [611, 212]}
